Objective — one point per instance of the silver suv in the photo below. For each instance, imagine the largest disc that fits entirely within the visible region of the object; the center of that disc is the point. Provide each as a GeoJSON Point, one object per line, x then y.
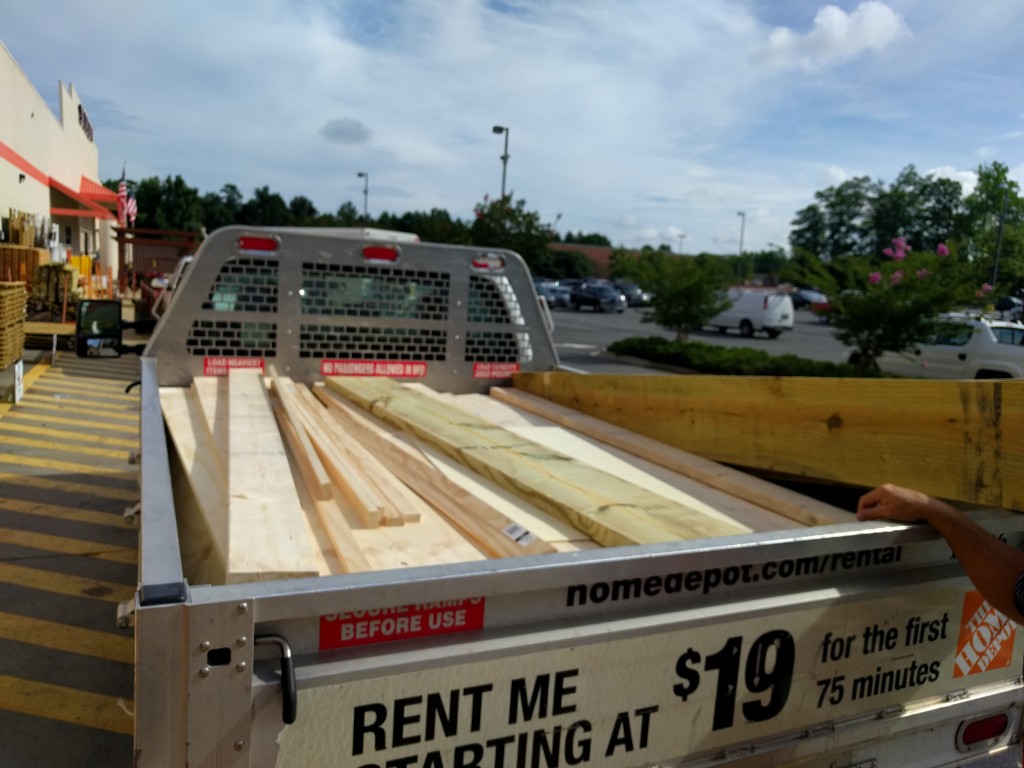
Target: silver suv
{"type": "Point", "coordinates": [966, 347]}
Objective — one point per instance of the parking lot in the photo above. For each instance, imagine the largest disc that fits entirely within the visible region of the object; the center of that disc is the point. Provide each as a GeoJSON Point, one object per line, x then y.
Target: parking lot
{"type": "Point", "coordinates": [582, 336]}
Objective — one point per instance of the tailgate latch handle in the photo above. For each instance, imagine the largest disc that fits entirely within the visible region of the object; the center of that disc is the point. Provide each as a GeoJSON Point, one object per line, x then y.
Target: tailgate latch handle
{"type": "Point", "coordinates": [288, 692]}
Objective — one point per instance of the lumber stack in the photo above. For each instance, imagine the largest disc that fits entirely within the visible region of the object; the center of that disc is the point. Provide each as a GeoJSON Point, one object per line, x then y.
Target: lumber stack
{"type": "Point", "coordinates": [12, 322]}
{"type": "Point", "coordinates": [277, 480]}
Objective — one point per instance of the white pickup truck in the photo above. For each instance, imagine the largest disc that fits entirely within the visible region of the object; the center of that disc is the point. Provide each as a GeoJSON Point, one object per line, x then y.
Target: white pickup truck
{"type": "Point", "coordinates": [828, 645]}
{"type": "Point", "coordinates": [967, 347]}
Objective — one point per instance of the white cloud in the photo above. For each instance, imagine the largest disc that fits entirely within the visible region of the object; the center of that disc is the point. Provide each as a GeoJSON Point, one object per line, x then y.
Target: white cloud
{"type": "Point", "coordinates": [835, 35]}
{"type": "Point", "coordinates": [640, 121]}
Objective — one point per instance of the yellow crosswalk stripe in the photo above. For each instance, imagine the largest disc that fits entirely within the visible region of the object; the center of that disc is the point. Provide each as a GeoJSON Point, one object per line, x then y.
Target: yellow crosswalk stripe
{"type": "Point", "coordinates": [41, 509]}
{"type": "Point", "coordinates": [55, 702]}
{"type": "Point", "coordinates": [65, 546]}
{"type": "Point", "coordinates": [63, 434]}
{"type": "Point", "coordinates": [113, 391]}
{"type": "Point", "coordinates": [65, 407]}
{"type": "Point", "coordinates": [29, 416]}
{"type": "Point", "coordinates": [62, 637]}
{"type": "Point", "coordinates": [64, 584]}
{"type": "Point", "coordinates": [82, 489]}
{"type": "Point", "coordinates": [93, 401]}
{"type": "Point", "coordinates": [60, 466]}
{"type": "Point", "coordinates": [65, 447]}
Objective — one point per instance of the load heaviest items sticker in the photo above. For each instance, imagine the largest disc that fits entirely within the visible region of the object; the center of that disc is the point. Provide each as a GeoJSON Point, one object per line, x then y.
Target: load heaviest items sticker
{"type": "Point", "coordinates": [674, 691]}
{"type": "Point", "coordinates": [396, 369]}
{"type": "Point", "coordinates": [219, 366]}
{"type": "Point", "coordinates": [494, 370]}
{"type": "Point", "coordinates": [382, 625]}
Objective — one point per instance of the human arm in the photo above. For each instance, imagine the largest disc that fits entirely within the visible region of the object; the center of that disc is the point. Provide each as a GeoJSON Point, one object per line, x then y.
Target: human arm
{"type": "Point", "coordinates": [992, 565]}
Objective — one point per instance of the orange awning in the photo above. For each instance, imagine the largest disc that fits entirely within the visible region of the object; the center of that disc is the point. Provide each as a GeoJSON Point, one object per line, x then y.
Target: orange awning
{"type": "Point", "coordinates": [91, 210]}
{"type": "Point", "coordinates": [93, 190]}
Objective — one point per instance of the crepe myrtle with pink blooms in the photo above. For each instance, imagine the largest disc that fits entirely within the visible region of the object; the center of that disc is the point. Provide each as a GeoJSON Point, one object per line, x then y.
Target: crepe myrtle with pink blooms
{"type": "Point", "coordinates": [896, 303]}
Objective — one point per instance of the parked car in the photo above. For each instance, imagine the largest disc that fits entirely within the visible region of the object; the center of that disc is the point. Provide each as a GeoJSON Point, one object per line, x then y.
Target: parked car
{"type": "Point", "coordinates": [635, 295]}
{"type": "Point", "coordinates": [805, 298]}
{"type": "Point", "coordinates": [965, 347]}
{"type": "Point", "coordinates": [1009, 307]}
{"type": "Point", "coordinates": [752, 311]}
{"type": "Point", "coordinates": [599, 296]}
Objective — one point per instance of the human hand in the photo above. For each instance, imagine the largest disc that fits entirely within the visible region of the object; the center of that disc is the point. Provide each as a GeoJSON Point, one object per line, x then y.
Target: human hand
{"type": "Point", "coordinates": [892, 502]}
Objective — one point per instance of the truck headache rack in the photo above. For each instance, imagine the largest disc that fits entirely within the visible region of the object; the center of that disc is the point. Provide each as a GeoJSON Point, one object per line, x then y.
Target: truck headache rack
{"type": "Point", "coordinates": [327, 302]}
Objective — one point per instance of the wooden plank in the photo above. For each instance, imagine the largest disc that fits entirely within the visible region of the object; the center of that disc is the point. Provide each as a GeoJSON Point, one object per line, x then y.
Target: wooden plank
{"type": "Point", "coordinates": [792, 505]}
{"type": "Point", "coordinates": [609, 509]}
{"type": "Point", "coordinates": [202, 464]}
{"type": "Point", "coordinates": [339, 465]}
{"type": "Point", "coordinates": [472, 510]}
{"type": "Point", "coordinates": [269, 536]}
{"type": "Point", "coordinates": [317, 480]}
{"type": "Point", "coordinates": [859, 432]}
{"type": "Point", "coordinates": [673, 486]}
{"type": "Point", "coordinates": [343, 542]}
{"type": "Point", "coordinates": [212, 394]}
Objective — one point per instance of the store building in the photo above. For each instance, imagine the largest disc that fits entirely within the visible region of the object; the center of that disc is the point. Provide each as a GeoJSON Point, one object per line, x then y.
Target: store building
{"type": "Point", "coordinates": [50, 194]}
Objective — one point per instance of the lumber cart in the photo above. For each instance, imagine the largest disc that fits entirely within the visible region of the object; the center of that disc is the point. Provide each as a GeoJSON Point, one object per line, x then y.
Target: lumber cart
{"type": "Point", "coordinates": [527, 605]}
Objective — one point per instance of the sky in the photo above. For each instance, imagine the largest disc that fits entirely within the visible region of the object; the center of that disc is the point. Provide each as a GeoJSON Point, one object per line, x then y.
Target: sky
{"type": "Point", "coordinates": [702, 124]}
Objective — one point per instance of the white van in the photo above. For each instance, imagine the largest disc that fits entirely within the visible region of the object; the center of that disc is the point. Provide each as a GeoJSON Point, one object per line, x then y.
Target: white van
{"type": "Point", "coordinates": [754, 310]}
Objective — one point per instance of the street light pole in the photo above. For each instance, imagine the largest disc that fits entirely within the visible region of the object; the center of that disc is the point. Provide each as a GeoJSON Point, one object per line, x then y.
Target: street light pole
{"type": "Point", "coordinates": [504, 157]}
{"type": "Point", "coordinates": [681, 238]}
{"type": "Point", "coordinates": [999, 238]}
{"type": "Point", "coordinates": [743, 226]}
{"type": "Point", "coordinates": [366, 194]}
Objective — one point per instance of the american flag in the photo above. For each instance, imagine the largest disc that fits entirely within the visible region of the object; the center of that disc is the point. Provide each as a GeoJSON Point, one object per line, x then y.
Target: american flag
{"type": "Point", "coordinates": [131, 208]}
{"type": "Point", "coordinates": [122, 200]}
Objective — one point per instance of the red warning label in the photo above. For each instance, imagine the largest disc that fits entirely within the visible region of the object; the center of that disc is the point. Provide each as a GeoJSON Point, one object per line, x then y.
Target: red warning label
{"type": "Point", "coordinates": [405, 622]}
{"type": "Point", "coordinates": [396, 369]}
{"type": "Point", "coordinates": [219, 366]}
{"type": "Point", "coordinates": [986, 638]}
{"type": "Point", "coordinates": [494, 370]}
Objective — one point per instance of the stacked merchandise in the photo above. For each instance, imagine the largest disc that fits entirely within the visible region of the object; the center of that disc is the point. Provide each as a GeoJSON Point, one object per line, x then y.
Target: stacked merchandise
{"type": "Point", "coordinates": [12, 323]}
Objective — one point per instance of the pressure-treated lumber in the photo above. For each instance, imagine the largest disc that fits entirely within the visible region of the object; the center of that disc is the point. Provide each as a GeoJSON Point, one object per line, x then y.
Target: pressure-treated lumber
{"type": "Point", "coordinates": [268, 534]}
{"type": "Point", "coordinates": [673, 486]}
{"type": "Point", "coordinates": [792, 505]}
{"type": "Point", "coordinates": [491, 530]}
{"type": "Point", "coordinates": [967, 434]}
{"type": "Point", "coordinates": [610, 510]}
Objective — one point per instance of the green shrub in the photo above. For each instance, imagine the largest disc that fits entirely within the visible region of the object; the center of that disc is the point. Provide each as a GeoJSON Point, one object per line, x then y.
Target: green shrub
{"type": "Point", "coordinates": [740, 361]}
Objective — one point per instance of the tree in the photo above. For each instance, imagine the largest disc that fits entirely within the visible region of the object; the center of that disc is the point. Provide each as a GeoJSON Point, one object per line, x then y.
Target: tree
{"type": "Point", "coordinates": [500, 224]}
{"type": "Point", "coordinates": [995, 204]}
{"type": "Point", "coordinates": [898, 303]}
{"type": "Point", "coordinates": [265, 208]}
{"type": "Point", "coordinates": [303, 212]}
{"type": "Point", "coordinates": [688, 293]}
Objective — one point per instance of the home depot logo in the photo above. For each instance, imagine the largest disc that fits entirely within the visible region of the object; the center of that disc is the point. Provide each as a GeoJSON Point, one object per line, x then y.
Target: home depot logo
{"type": "Point", "coordinates": [986, 638]}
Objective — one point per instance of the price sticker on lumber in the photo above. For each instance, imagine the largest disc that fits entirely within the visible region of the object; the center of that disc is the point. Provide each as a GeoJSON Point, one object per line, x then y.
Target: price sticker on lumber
{"type": "Point", "coordinates": [404, 622]}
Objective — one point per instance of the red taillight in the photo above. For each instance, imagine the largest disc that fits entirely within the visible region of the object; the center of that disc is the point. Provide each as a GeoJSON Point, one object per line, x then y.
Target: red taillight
{"type": "Point", "coordinates": [488, 262]}
{"type": "Point", "coordinates": [986, 729]}
{"type": "Point", "coordinates": [380, 253]}
{"type": "Point", "coordinates": [261, 244]}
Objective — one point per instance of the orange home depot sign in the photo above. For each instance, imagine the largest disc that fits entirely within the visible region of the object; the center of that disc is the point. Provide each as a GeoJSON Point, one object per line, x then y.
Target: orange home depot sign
{"type": "Point", "coordinates": [986, 638]}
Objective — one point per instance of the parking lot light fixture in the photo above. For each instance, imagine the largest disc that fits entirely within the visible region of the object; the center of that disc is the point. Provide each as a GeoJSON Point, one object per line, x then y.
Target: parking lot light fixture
{"type": "Point", "coordinates": [504, 157]}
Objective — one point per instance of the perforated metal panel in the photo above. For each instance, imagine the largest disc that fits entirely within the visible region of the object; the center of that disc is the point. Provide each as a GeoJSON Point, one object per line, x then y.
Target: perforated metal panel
{"type": "Point", "coordinates": [456, 318]}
